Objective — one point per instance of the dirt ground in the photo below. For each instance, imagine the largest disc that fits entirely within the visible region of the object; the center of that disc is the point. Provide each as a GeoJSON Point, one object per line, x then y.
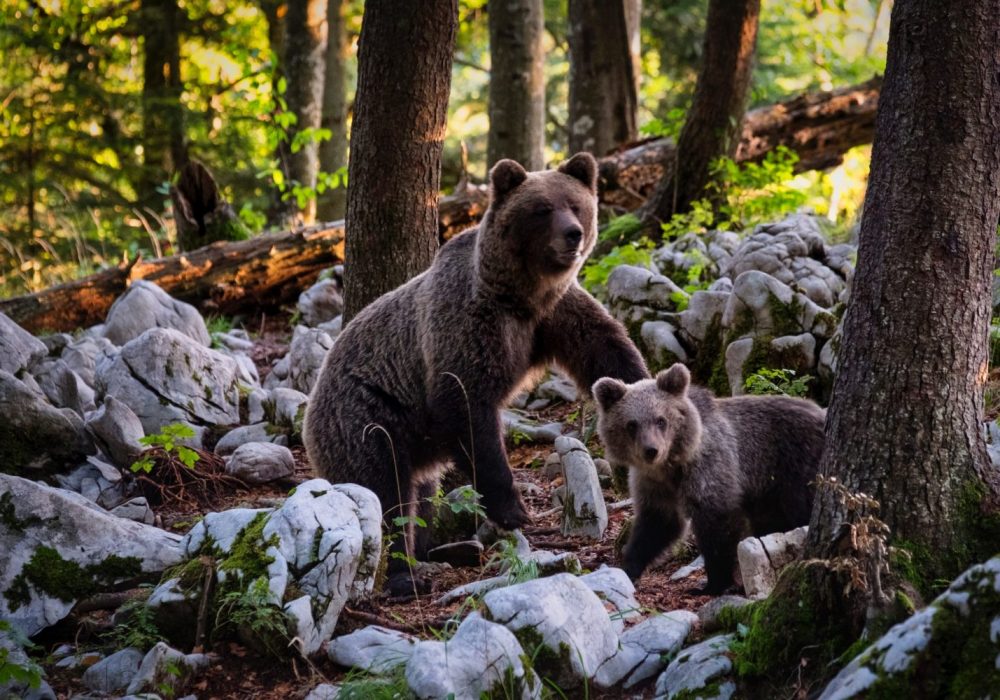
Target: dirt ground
{"type": "Point", "coordinates": [238, 672]}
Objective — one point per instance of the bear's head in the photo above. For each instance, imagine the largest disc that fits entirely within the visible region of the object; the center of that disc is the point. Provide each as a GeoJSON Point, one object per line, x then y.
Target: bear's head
{"type": "Point", "coordinates": [545, 222]}
{"type": "Point", "coordinates": [650, 425]}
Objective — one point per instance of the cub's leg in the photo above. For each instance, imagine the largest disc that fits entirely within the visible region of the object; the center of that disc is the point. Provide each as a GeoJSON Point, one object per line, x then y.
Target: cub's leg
{"type": "Point", "coordinates": [657, 525]}
{"type": "Point", "coordinates": [717, 533]}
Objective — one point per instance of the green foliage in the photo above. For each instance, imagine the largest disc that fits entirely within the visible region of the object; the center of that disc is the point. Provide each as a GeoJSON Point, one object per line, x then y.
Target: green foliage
{"type": "Point", "coordinates": [756, 192]}
{"type": "Point", "coordinates": [28, 673]}
{"type": "Point", "coordinates": [168, 439]}
{"type": "Point", "coordinates": [252, 611]}
{"type": "Point", "coordinates": [506, 557]}
{"type": "Point", "coordinates": [137, 627]}
{"type": "Point", "coordinates": [668, 127]}
{"type": "Point", "coordinates": [777, 381]}
{"type": "Point", "coordinates": [595, 273]}
{"type": "Point", "coordinates": [358, 685]}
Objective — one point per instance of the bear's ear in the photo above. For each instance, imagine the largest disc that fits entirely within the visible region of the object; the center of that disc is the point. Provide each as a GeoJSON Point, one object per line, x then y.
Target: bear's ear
{"type": "Point", "coordinates": [583, 167]}
{"type": "Point", "coordinates": [504, 177]}
{"type": "Point", "coordinates": [608, 392]}
{"type": "Point", "coordinates": [674, 380]}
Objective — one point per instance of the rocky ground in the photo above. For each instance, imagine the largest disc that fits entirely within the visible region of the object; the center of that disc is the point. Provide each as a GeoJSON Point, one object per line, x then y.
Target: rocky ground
{"type": "Point", "coordinates": [165, 534]}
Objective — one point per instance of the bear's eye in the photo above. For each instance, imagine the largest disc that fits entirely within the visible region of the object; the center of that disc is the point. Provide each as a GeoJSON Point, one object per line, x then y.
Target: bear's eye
{"type": "Point", "coordinates": [575, 209]}
{"type": "Point", "coordinates": [661, 423]}
{"type": "Point", "coordinates": [632, 427]}
{"type": "Point", "coordinates": [541, 210]}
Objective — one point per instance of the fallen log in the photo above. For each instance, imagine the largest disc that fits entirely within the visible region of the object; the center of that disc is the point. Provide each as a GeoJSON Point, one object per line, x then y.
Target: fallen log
{"type": "Point", "coordinates": [820, 127]}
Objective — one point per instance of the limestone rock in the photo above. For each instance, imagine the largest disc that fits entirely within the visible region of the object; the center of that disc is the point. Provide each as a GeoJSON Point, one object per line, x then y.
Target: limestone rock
{"type": "Point", "coordinates": [97, 481]}
{"type": "Point", "coordinates": [163, 667]}
{"type": "Point", "coordinates": [584, 510]}
{"type": "Point", "coordinates": [19, 350]}
{"type": "Point", "coordinates": [143, 306]}
{"type": "Point", "coordinates": [646, 648]}
{"type": "Point", "coordinates": [113, 673]}
{"type": "Point", "coordinates": [305, 357]}
{"type": "Point", "coordinates": [117, 431]}
{"type": "Point", "coordinates": [698, 667]}
{"type": "Point", "coordinates": [64, 387]}
{"type": "Point", "coordinates": [85, 353]}
{"type": "Point", "coordinates": [261, 462]}
{"type": "Point", "coordinates": [374, 649]}
{"type": "Point", "coordinates": [762, 558]}
{"type": "Point", "coordinates": [321, 302]}
{"type": "Point", "coordinates": [660, 345]}
{"type": "Point", "coordinates": [614, 587]}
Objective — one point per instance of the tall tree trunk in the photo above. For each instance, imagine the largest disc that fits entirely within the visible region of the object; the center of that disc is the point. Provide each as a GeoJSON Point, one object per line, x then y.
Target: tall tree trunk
{"type": "Point", "coordinates": [305, 65]}
{"type": "Point", "coordinates": [517, 82]}
{"type": "Point", "coordinates": [400, 118]}
{"type": "Point", "coordinates": [163, 147]}
{"type": "Point", "coordinates": [602, 83]}
{"type": "Point", "coordinates": [278, 216]}
{"type": "Point", "coordinates": [905, 421]}
{"type": "Point", "coordinates": [331, 204]}
{"type": "Point", "coordinates": [712, 127]}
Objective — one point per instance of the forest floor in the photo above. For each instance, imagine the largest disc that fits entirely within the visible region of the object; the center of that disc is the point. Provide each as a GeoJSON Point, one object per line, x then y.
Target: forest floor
{"type": "Point", "coordinates": [240, 672]}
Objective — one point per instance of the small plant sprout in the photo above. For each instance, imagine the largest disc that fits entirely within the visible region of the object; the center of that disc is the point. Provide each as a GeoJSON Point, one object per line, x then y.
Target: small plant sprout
{"type": "Point", "coordinates": [168, 439]}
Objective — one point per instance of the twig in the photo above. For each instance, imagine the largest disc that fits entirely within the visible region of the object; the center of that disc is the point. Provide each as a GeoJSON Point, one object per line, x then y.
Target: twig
{"type": "Point", "coordinates": [208, 586]}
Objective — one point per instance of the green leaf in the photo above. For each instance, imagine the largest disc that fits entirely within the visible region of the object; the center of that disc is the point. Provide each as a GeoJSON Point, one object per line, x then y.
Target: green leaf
{"type": "Point", "coordinates": [188, 456]}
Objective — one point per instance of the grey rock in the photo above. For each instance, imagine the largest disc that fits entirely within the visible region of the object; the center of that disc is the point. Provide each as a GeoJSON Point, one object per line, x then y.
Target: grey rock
{"type": "Point", "coordinates": [19, 350]}
{"type": "Point", "coordinates": [287, 408]}
{"type": "Point", "coordinates": [306, 354]}
{"type": "Point", "coordinates": [256, 400]}
{"type": "Point", "coordinates": [566, 616]}
{"type": "Point", "coordinates": [95, 480]}
{"type": "Point", "coordinates": [761, 559]}
{"type": "Point", "coordinates": [662, 348]}
{"type": "Point", "coordinates": [64, 387]}
{"type": "Point", "coordinates": [792, 352]}
{"type": "Point", "coordinates": [521, 428]}
{"type": "Point", "coordinates": [84, 354]}
{"type": "Point", "coordinates": [761, 305]}
{"type": "Point", "coordinates": [261, 462]}
{"type": "Point", "coordinates": [697, 667]}
{"type": "Point", "coordinates": [614, 587]}
{"type": "Point", "coordinates": [332, 327]}
{"type": "Point", "coordinates": [708, 614]}
{"type": "Point", "coordinates": [144, 306]}
{"type": "Point", "coordinates": [557, 387]}
{"type": "Point", "coordinates": [163, 667]}
{"type": "Point", "coordinates": [482, 658]}
{"type": "Point", "coordinates": [584, 510]}
{"type": "Point", "coordinates": [116, 431]}
{"type": "Point", "coordinates": [255, 432]}
{"type": "Point", "coordinates": [703, 315]}
{"type": "Point", "coordinates": [646, 648]}
{"type": "Point", "coordinates": [235, 340]}
{"type": "Point", "coordinates": [321, 302]}
{"type": "Point", "coordinates": [324, 691]}
{"type": "Point", "coordinates": [553, 466]}
{"type": "Point", "coordinates": [64, 524]}
{"type": "Point", "coordinates": [165, 377]}
{"type": "Point", "coordinates": [13, 642]}
{"type": "Point", "coordinates": [114, 673]}
{"type": "Point", "coordinates": [55, 343]}
{"type": "Point", "coordinates": [278, 375]}
{"type": "Point", "coordinates": [374, 649]}
{"type": "Point", "coordinates": [639, 286]}
{"type": "Point", "coordinates": [136, 509]}
{"type": "Point", "coordinates": [37, 437]}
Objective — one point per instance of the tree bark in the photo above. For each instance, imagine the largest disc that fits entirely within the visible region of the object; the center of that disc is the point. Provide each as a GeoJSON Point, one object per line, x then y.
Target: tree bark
{"type": "Point", "coordinates": [712, 126]}
{"type": "Point", "coordinates": [332, 203]}
{"type": "Point", "coordinates": [905, 420]}
{"type": "Point", "coordinates": [163, 147]}
{"type": "Point", "coordinates": [274, 12]}
{"type": "Point", "coordinates": [602, 82]}
{"type": "Point", "coordinates": [517, 82]}
{"type": "Point", "coordinates": [201, 214]}
{"type": "Point", "coordinates": [305, 65]}
{"type": "Point", "coordinates": [400, 118]}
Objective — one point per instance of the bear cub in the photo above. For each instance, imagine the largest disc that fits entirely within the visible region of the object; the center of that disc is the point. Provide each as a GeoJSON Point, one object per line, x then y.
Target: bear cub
{"type": "Point", "coordinates": [735, 467]}
{"type": "Point", "coordinates": [416, 381]}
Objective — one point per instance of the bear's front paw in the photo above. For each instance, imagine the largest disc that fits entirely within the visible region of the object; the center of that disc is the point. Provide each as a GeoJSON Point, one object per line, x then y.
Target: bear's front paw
{"type": "Point", "coordinates": [509, 514]}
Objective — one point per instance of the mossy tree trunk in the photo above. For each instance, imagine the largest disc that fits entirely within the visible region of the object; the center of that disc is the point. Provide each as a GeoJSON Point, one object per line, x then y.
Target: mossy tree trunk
{"type": "Point", "coordinates": [905, 420]}
{"type": "Point", "coordinates": [517, 82]}
{"type": "Point", "coordinates": [400, 118]}
{"type": "Point", "coordinates": [602, 82]}
{"type": "Point", "coordinates": [331, 204]}
{"type": "Point", "coordinates": [712, 127]}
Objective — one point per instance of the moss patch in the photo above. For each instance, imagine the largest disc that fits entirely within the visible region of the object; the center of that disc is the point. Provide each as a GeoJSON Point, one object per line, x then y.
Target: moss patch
{"type": "Point", "coordinates": [248, 555]}
{"type": "Point", "coordinates": [48, 573]}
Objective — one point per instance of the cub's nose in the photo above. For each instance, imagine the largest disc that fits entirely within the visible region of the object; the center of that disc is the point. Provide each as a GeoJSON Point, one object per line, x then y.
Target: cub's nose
{"type": "Point", "coordinates": [574, 234]}
{"type": "Point", "coordinates": [650, 453]}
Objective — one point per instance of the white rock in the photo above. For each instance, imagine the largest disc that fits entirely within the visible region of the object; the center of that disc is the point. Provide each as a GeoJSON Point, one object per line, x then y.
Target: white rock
{"type": "Point", "coordinates": [136, 509]}
{"type": "Point", "coordinates": [143, 306]}
{"type": "Point", "coordinates": [97, 481]}
{"type": "Point", "coordinates": [696, 667]}
{"type": "Point", "coordinates": [116, 431]}
{"type": "Point", "coordinates": [704, 310]}
{"type": "Point", "coordinates": [83, 355]}
{"type": "Point", "coordinates": [584, 510]}
{"type": "Point", "coordinates": [565, 616]}
{"type": "Point", "coordinates": [614, 587]}
{"type": "Point", "coordinates": [255, 432]}
{"type": "Point", "coordinates": [374, 649]}
{"type": "Point", "coordinates": [662, 346]}
{"type": "Point", "coordinates": [483, 658]}
{"type": "Point", "coordinates": [324, 691]}
{"type": "Point", "coordinates": [640, 286]}
{"type": "Point", "coordinates": [163, 667]}
{"type": "Point", "coordinates": [761, 559]}
{"type": "Point", "coordinates": [54, 524]}
{"type": "Point", "coordinates": [260, 462]}
{"type": "Point", "coordinates": [321, 302]}
{"type": "Point", "coordinates": [697, 565]}
{"type": "Point", "coordinates": [646, 648]}
{"type": "Point", "coordinates": [114, 673]}
{"type": "Point", "coordinates": [19, 350]}
{"type": "Point", "coordinates": [305, 357]}
{"type": "Point", "coordinates": [520, 428]}
{"type": "Point", "coordinates": [64, 387]}
{"type": "Point", "coordinates": [287, 407]}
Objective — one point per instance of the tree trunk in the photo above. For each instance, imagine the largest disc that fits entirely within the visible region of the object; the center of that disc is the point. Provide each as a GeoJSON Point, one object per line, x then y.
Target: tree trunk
{"type": "Point", "coordinates": [305, 65]}
{"type": "Point", "coordinates": [712, 126]}
{"type": "Point", "coordinates": [201, 214]}
{"type": "Point", "coordinates": [602, 83]}
{"type": "Point", "coordinates": [278, 216]}
{"type": "Point", "coordinates": [905, 420]}
{"type": "Point", "coordinates": [400, 118]}
{"type": "Point", "coordinates": [332, 203]}
{"type": "Point", "coordinates": [163, 147]}
{"type": "Point", "coordinates": [517, 82]}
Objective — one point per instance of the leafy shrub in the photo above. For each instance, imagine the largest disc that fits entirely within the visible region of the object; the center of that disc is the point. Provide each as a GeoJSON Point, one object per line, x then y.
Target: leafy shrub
{"type": "Point", "coordinates": [777, 381]}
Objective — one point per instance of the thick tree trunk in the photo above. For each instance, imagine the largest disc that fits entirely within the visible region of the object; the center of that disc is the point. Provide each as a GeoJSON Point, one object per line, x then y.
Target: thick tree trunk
{"type": "Point", "coordinates": [260, 273]}
{"type": "Point", "coordinates": [400, 118]}
{"type": "Point", "coordinates": [332, 203]}
{"type": "Point", "coordinates": [305, 65]}
{"type": "Point", "coordinates": [905, 420]}
{"type": "Point", "coordinates": [602, 83]}
{"type": "Point", "coordinates": [819, 126]}
{"type": "Point", "coordinates": [712, 127]}
{"type": "Point", "coordinates": [163, 147]}
{"type": "Point", "coordinates": [274, 12]}
{"type": "Point", "coordinates": [517, 82]}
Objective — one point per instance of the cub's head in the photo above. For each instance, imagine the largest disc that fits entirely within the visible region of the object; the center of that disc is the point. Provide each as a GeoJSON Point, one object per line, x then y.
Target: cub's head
{"type": "Point", "coordinates": [546, 220]}
{"type": "Point", "coordinates": [651, 425]}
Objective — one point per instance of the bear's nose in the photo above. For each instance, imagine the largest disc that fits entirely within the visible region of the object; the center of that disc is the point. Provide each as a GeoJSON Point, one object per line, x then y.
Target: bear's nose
{"type": "Point", "coordinates": [650, 453]}
{"type": "Point", "coordinates": [574, 234]}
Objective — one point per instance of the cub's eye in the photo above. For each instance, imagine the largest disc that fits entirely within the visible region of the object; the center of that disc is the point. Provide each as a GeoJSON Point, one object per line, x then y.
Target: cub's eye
{"type": "Point", "coordinates": [575, 209]}
{"type": "Point", "coordinates": [541, 210]}
{"type": "Point", "coordinates": [661, 423]}
{"type": "Point", "coordinates": [632, 427]}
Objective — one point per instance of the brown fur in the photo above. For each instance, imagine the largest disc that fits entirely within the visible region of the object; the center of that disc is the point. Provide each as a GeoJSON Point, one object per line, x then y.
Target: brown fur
{"type": "Point", "coordinates": [735, 466]}
{"type": "Point", "coordinates": [416, 380]}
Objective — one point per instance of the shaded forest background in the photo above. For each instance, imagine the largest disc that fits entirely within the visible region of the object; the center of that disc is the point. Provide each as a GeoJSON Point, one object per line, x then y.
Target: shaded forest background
{"type": "Point", "coordinates": [103, 101]}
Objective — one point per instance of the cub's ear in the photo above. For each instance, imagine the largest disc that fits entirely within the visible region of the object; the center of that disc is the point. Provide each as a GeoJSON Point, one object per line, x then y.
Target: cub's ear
{"type": "Point", "coordinates": [674, 380]}
{"type": "Point", "coordinates": [583, 167]}
{"type": "Point", "coordinates": [504, 177]}
{"type": "Point", "coordinates": [608, 392]}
